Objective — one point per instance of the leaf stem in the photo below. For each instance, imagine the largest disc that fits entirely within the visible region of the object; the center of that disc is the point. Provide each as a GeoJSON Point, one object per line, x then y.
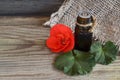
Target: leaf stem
{"type": "Point", "coordinates": [73, 53]}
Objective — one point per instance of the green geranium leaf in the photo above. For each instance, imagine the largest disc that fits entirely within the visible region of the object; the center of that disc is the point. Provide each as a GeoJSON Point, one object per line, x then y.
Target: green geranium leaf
{"type": "Point", "coordinates": [104, 54]}
{"type": "Point", "coordinates": [75, 62]}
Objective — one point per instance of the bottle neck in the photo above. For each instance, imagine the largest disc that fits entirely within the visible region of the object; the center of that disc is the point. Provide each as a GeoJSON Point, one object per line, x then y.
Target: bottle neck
{"type": "Point", "coordinates": [84, 22]}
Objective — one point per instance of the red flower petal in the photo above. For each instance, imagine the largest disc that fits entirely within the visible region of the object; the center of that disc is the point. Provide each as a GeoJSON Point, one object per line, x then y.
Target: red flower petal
{"type": "Point", "coordinates": [52, 43]}
{"type": "Point", "coordinates": [61, 39]}
{"type": "Point", "coordinates": [60, 29]}
{"type": "Point", "coordinates": [71, 46]}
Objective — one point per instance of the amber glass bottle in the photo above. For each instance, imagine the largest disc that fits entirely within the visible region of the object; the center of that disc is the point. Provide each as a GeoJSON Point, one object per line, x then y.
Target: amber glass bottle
{"type": "Point", "coordinates": [83, 33]}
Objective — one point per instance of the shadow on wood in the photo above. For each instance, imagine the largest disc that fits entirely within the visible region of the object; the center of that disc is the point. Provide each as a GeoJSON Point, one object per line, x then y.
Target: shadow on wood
{"type": "Point", "coordinates": [29, 7]}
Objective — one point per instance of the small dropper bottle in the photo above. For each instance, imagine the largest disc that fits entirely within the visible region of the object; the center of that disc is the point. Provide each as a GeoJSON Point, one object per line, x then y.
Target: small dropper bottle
{"type": "Point", "coordinates": [83, 31]}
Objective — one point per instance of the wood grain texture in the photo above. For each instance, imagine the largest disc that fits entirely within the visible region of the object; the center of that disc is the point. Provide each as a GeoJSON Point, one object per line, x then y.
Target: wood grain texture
{"type": "Point", "coordinates": [29, 7]}
{"type": "Point", "coordinates": [24, 56]}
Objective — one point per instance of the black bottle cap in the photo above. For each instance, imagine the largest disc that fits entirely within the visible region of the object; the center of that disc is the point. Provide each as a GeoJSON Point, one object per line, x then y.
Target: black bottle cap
{"type": "Point", "coordinates": [84, 17]}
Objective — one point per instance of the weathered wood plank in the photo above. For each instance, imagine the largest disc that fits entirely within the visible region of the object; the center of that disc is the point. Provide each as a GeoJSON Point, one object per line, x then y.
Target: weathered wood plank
{"type": "Point", "coordinates": [29, 7]}
{"type": "Point", "coordinates": [24, 56]}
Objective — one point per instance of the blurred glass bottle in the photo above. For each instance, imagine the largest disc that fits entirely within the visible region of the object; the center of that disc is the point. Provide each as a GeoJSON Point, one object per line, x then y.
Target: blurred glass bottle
{"type": "Point", "coordinates": [83, 31]}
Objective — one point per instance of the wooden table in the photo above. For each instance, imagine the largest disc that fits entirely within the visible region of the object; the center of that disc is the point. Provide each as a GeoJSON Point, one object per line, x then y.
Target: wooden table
{"type": "Point", "coordinates": [24, 56]}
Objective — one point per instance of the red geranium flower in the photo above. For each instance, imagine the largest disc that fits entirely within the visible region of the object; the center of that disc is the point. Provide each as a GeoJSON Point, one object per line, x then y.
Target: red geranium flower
{"type": "Point", "coordinates": [61, 38]}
